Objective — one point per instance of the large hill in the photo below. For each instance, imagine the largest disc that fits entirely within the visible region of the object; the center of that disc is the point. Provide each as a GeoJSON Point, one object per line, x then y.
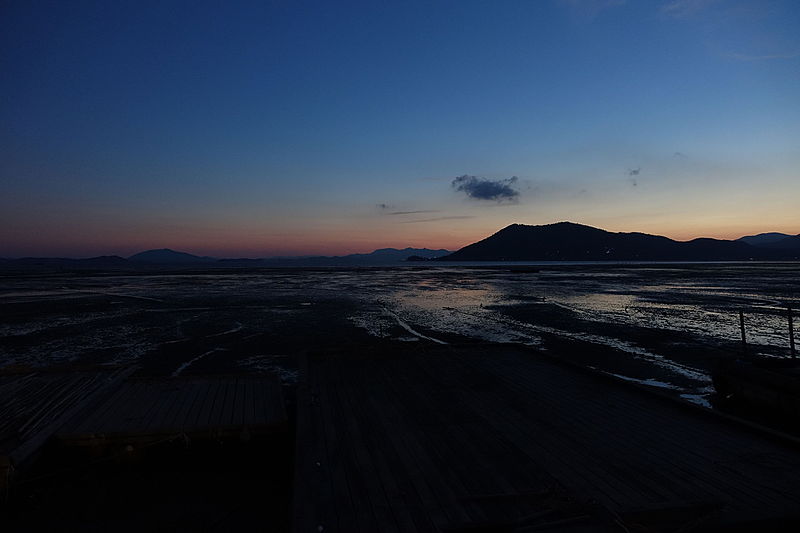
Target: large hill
{"type": "Point", "coordinates": [567, 241]}
{"type": "Point", "coordinates": [763, 238]}
{"type": "Point", "coordinates": [165, 256]}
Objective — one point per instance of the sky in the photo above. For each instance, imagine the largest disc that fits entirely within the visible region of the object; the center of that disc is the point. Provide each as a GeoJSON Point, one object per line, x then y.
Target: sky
{"type": "Point", "coordinates": [293, 128]}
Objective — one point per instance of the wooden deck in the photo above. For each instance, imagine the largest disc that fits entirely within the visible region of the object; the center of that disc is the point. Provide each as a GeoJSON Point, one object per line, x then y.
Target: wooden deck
{"type": "Point", "coordinates": [151, 409]}
{"type": "Point", "coordinates": [33, 405]}
{"type": "Point", "coordinates": [500, 438]}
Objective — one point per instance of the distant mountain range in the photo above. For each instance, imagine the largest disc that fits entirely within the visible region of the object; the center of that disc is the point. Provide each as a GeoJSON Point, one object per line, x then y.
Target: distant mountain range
{"type": "Point", "coordinates": [563, 241]}
{"type": "Point", "coordinates": [567, 241]}
{"type": "Point", "coordinates": [167, 256]}
{"type": "Point", "coordinates": [764, 238]}
{"type": "Point", "coordinates": [171, 259]}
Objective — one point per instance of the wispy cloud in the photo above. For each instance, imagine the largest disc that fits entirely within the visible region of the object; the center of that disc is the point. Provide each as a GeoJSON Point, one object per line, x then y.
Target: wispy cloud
{"type": "Point", "coordinates": [486, 189]}
{"type": "Point", "coordinates": [634, 171]}
{"type": "Point", "coordinates": [755, 57]}
{"type": "Point", "coordinates": [413, 212]}
{"type": "Point", "coordinates": [684, 8]}
{"type": "Point", "coordinates": [589, 9]}
{"type": "Point", "coordinates": [434, 219]}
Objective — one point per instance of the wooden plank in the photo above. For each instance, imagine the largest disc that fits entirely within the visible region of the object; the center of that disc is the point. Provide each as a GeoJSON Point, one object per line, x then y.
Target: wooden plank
{"type": "Point", "coordinates": [205, 407]}
{"type": "Point", "coordinates": [227, 416]}
{"type": "Point", "coordinates": [250, 404]}
{"type": "Point", "coordinates": [154, 408]}
{"type": "Point", "coordinates": [688, 449]}
{"type": "Point", "coordinates": [606, 442]}
{"type": "Point", "coordinates": [408, 438]}
{"type": "Point", "coordinates": [260, 404]}
{"type": "Point", "coordinates": [150, 399]}
{"type": "Point", "coordinates": [94, 418]}
{"type": "Point", "coordinates": [436, 492]}
{"type": "Point", "coordinates": [632, 441]}
{"type": "Point", "coordinates": [239, 402]}
{"type": "Point", "coordinates": [610, 487]}
{"type": "Point", "coordinates": [183, 417]}
{"type": "Point", "coordinates": [356, 481]}
{"type": "Point", "coordinates": [442, 426]}
{"type": "Point", "coordinates": [369, 461]}
{"type": "Point", "coordinates": [335, 504]}
{"type": "Point", "coordinates": [405, 500]}
{"type": "Point", "coordinates": [56, 420]}
{"type": "Point", "coordinates": [168, 394]}
{"type": "Point", "coordinates": [216, 413]}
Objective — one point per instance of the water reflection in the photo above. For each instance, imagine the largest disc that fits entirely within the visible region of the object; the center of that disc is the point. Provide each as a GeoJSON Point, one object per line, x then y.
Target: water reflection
{"type": "Point", "coordinates": [659, 320]}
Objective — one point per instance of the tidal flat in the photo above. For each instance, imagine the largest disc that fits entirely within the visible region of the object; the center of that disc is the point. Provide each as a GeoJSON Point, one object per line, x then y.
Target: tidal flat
{"type": "Point", "coordinates": [661, 325]}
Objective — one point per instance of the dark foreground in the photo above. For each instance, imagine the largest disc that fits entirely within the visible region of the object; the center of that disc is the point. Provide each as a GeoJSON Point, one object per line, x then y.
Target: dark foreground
{"type": "Point", "coordinates": [498, 438]}
{"type": "Point", "coordinates": [404, 438]}
{"type": "Point", "coordinates": [108, 451]}
{"type": "Point", "coordinates": [420, 413]}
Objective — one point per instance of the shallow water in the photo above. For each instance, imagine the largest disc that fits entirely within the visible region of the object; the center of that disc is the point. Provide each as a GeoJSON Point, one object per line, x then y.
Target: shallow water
{"type": "Point", "coordinates": [658, 324]}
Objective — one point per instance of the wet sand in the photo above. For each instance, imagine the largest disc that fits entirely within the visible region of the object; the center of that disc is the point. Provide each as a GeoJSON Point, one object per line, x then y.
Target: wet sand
{"type": "Point", "coordinates": [661, 325]}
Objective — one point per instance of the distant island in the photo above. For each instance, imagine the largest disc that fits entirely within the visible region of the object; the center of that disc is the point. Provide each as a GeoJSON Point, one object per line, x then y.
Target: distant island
{"type": "Point", "coordinates": [562, 241]}
{"type": "Point", "coordinates": [166, 258]}
{"type": "Point", "coordinates": [567, 241]}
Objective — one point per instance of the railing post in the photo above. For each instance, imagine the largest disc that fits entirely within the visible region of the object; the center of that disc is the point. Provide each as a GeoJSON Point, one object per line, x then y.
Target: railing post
{"type": "Point", "coordinates": [791, 332]}
{"type": "Point", "coordinates": [741, 326]}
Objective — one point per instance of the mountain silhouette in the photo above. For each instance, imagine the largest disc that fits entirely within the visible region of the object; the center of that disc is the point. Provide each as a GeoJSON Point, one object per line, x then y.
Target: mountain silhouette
{"type": "Point", "coordinates": [763, 238]}
{"type": "Point", "coordinates": [382, 256]}
{"type": "Point", "coordinates": [59, 264]}
{"type": "Point", "coordinates": [567, 241]}
{"type": "Point", "coordinates": [166, 256]}
{"type": "Point", "coordinates": [789, 244]}
{"type": "Point", "coordinates": [563, 241]}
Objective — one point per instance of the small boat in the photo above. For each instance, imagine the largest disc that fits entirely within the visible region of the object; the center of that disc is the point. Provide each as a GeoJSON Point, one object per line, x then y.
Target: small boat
{"type": "Point", "coordinates": [768, 383]}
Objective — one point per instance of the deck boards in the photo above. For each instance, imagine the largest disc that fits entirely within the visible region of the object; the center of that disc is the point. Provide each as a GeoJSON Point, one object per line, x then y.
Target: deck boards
{"type": "Point", "coordinates": [426, 440]}
{"type": "Point", "coordinates": [147, 409]}
{"type": "Point", "coordinates": [33, 405]}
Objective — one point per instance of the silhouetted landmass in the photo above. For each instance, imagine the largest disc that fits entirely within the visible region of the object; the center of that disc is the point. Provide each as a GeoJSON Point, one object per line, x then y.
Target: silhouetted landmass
{"type": "Point", "coordinates": [382, 256]}
{"type": "Point", "coordinates": [171, 259]}
{"type": "Point", "coordinates": [567, 241]}
{"type": "Point", "coordinates": [763, 238]}
{"type": "Point", "coordinates": [166, 256]}
{"type": "Point", "coordinates": [790, 244]}
{"type": "Point", "coordinates": [110, 262]}
{"type": "Point", "coordinates": [563, 241]}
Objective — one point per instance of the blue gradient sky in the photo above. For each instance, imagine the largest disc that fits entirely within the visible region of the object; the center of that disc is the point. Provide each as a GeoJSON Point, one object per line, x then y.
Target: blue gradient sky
{"type": "Point", "coordinates": [273, 128]}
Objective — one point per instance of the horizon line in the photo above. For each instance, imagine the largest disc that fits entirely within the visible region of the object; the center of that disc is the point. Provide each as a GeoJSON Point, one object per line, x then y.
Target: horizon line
{"type": "Point", "coordinates": [313, 255]}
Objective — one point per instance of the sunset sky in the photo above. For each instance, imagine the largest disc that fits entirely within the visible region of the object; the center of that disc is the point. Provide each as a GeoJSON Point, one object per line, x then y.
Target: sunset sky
{"type": "Point", "coordinates": [292, 128]}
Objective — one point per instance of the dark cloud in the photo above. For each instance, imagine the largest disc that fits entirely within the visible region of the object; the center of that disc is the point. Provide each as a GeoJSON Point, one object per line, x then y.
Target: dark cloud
{"type": "Point", "coordinates": [486, 189]}
{"type": "Point", "coordinates": [634, 171]}
{"type": "Point", "coordinates": [383, 206]}
{"type": "Point", "coordinates": [679, 154]}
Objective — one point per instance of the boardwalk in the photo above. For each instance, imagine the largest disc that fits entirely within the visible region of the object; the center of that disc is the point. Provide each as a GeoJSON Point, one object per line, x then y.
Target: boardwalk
{"type": "Point", "coordinates": [150, 409]}
{"type": "Point", "coordinates": [34, 404]}
{"type": "Point", "coordinates": [109, 407]}
{"type": "Point", "coordinates": [451, 439]}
